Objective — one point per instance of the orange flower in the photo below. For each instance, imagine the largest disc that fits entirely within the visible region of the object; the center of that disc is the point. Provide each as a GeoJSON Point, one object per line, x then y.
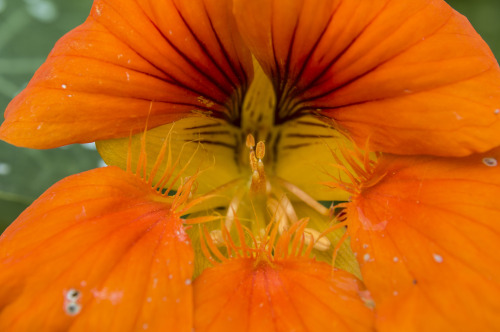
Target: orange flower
{"type": "Point", "coordinates": [254, 111]}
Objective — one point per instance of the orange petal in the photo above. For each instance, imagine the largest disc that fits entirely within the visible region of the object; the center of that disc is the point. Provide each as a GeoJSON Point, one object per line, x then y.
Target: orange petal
{"type": "Point", "coordinates": [427, 238]}
{"type": "Point", "coordinates": [130, 62]}
{"type": "Point", "coordinates": [290, 295]}
{"type": "Point", "coordinates": [96, 253]}
{"type": "Point", "coordinates": [410, 76]}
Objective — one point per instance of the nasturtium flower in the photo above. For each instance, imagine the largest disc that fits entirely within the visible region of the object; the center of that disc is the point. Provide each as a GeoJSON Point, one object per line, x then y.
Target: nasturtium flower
{"type": "Point", "coordinates": [225, 124]}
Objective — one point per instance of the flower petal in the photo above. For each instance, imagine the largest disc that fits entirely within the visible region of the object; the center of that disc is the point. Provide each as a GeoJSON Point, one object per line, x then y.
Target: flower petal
{"type": "Point", "coordinates": [409, 76]}
{"type": "Point", "coordinates": [427, 238]}
{"type": "Point", "coordinates": [132, 62]}
{"type": "Point", "coordinates": [292, 295]}
{"type": "Point", "coordinates": [98, 251]}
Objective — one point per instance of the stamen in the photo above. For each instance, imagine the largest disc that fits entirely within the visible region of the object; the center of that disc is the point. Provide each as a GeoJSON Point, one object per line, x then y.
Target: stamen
{"type": "Point", "coordinates": [303, 196]}
{"type": "Point", "coordinates": [280, 216]}
{"type": "Point", "coordinates": [260, 150]}
{"type": "Point", "coordinates": [259, 183]}
{"type": "Point", "coordinates": [320, 243]}
{"type": "Point", "coordinates": [233, 208]}
{"type": "Point", "coordinates": [250, 143]}
{"type": "Point", "coordinates": [231, 213]}
{"type": "Point", "coordinates": [254, 163]}
{"type": "Point", "coordinates": [285, 204]}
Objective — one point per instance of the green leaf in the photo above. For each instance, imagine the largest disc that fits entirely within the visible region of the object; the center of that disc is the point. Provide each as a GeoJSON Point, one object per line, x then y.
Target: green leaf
{"type": "Point", "coordinates": [10, 207]}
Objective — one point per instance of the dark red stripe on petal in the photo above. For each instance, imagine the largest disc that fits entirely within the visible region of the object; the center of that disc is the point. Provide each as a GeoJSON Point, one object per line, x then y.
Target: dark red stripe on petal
{"type": "Point", "coordinates": [132, 62]}
{"type": "Point", "coordinates": [387, 72]}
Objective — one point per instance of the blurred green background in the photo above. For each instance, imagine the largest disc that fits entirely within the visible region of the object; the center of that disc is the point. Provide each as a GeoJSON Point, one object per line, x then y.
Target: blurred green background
{"type": "Point", "coordinates": [29, 29]}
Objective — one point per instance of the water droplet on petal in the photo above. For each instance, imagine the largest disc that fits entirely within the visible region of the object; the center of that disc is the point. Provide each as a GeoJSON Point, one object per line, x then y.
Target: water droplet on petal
{"type": "Point", "coordinates": [72, 308]}
{"type": "Point", "coordinates": [491, 162]}
{"type": "Point", "coordinates": [72, 295]}
{"type": "Point", "coordinates": [437, 258]}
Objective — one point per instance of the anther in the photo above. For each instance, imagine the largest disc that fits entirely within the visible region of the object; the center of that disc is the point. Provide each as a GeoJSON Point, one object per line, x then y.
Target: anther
{"type": "Point", "coordinates": [259, 182]}
{"type": "Point", "coordinates": [320, 243]}
{"type": "Point", "coordinates": [250, 143]}
{"type": "Point", "coordinates": [260, 150]}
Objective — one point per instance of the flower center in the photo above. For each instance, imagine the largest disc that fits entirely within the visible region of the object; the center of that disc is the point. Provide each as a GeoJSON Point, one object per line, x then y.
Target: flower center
{"type": "Point", "coordinates": [268, 169]}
